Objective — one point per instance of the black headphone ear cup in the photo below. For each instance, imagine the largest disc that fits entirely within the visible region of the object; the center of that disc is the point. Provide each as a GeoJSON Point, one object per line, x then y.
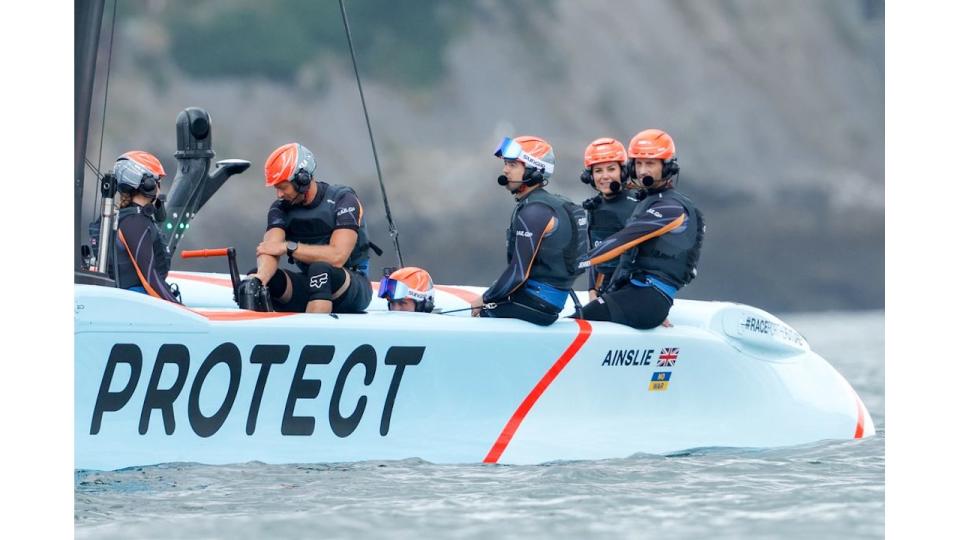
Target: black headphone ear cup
{"type": "Point", "coordinates": [670, 168]}
{"type": "Point", "coordinates": [148, 185]}
{"type": "Point", "coordinates": [623, 174]}
{"type": "Point", "coordinates": [587, 177]}
{"type": "Point", "coordinates": [532, 176]}
{"type": "Point", "coordinates": [301, 181]}
{"type": "Point", "coordinates": [428, 305]}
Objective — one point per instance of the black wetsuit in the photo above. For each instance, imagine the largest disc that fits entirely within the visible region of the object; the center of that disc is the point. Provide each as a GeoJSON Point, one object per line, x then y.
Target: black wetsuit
{"type": "Point", "coordinates": [141, 256]}
{"type": "Point", "coordinates": [607, 216]}
{"type": "Point", "coordinates": [333, 207]}
{"type": "Point", "coordinates": [538, 277]}
{"type": "Point", "coordinates": [658, 250]}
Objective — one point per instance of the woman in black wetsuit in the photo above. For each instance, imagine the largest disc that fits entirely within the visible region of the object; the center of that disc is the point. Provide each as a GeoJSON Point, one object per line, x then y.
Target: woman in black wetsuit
{"type": "Point", "coordinates": [604, 169]}
{"type": "Point", "coordinates": [142, 261]}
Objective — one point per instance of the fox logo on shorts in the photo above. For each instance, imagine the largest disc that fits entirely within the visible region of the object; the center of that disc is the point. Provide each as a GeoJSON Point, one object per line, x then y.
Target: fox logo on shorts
{"type": "Point", "coordinates": [318, 280]}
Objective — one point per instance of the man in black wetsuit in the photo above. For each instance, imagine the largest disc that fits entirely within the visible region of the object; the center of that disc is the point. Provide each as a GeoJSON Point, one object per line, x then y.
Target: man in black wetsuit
{"type": "Point", "coordinates": [142, 261]}
{"type": "Point", "coordinates": [659, 247]}
{"type": "Point", "coordinates": [320, 228]}
{"type": "Point", "coordinates": [604, 169]}
{"type": "Point", "coordinates": [546, 236]}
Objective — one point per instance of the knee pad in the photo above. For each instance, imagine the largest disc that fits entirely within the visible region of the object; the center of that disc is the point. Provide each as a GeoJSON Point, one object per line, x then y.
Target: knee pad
{"type": "Point", "coordinates": [323, 279]}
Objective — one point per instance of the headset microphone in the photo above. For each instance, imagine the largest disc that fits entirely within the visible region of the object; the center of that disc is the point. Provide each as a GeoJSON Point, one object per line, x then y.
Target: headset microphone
{"type": "Point", "coordinates": [502, 180]}
{"type": "Point", "coordinates": [615, 187]}
{"type": "Point", "coordinates": [647, 181]}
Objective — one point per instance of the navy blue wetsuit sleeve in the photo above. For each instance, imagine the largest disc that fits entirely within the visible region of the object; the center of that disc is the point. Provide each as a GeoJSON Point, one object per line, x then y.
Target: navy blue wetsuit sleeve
{"type": "Point", "coordinates": [277, 216]}
{"type": "Point", "coordinates": [139, 235]}
{"type": "Point", "coordinates": [661, 218]}
{"type": "Point", "coordinates": [534, 222]}
{"type": "Point", "coordinates": [349, 212]}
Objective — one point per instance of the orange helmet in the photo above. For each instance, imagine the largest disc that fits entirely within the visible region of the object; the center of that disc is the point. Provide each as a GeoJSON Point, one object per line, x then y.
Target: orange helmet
{"type": "Point", "coordinates": [293, 163]}
{"type": "Point", "coordinates": [409, 282]}
{"type": "Point", "coordinates": [137, 170]}
{"type": "Point", "coordinates": [654, 144]}
{"type": "Point", "coordinates": [534, 152]}
{"type": "Point", "coordinates": [603, 150]}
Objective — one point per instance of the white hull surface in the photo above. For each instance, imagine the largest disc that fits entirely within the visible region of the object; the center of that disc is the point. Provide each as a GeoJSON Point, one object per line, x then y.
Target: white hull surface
{"type": "Point", "coordinates": [156, 382]}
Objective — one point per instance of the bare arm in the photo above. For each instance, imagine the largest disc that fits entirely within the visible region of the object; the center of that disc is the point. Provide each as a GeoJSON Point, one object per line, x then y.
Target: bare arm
{"type": "Point", "coordinates": [267, 263]}
{"type": "Point", "coordinates": [337, 252]}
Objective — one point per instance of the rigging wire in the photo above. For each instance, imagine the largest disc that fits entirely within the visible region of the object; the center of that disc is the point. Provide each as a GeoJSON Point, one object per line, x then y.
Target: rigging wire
{"type": "Point", "coordinates": [394, 233]}
{"type": "Point", "coordinates": [103, 116]}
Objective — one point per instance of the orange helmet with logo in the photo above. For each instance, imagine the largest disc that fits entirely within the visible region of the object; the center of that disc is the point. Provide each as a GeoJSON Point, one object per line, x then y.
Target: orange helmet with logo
{"type": "Point", "coordinates": [535, 153]}
{"type": "Point", "coordinates": [409, 282]}
{"type": "Point", "coordinates": [137, 170]}
{"type": "Point", "coordinates": [654, 144]}
{"type": "Point", "coordinates": [292, 163]}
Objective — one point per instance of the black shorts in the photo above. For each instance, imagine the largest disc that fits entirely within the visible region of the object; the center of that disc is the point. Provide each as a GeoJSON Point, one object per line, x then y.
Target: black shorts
{"type": "Point", "coordinates": [322, 282]}
{"type": "Point", "coordinates": [640, 307]}
{"type": "Point", "coordinates": [523, 305]}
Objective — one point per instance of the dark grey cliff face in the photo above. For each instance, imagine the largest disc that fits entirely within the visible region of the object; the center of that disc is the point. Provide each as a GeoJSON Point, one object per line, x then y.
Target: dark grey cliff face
{"type": "Point", "coordinates": [776, 107]}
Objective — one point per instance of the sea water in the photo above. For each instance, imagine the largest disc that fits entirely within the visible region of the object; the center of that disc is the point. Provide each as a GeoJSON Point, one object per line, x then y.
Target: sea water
{"type": "Point", "coordinates": [831, 489]}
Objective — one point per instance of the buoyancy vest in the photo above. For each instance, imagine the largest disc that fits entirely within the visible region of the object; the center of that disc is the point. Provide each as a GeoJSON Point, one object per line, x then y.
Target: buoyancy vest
{"type": "Point", "coordinates": [672, 256]}
{"type": "Point", "coordinates": [127, 276]}
{"type": "Point", "coordinates": [314, 225]}
{"type": "Point", "coordinates": [556, 261]}
{"type": "Point", "coordinates": [608, 218]}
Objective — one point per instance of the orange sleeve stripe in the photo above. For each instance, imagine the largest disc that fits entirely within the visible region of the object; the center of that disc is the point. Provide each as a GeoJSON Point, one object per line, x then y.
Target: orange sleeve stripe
{"type": "Point", "coordinates": [620, 250]}
{"type": "Point", "coordinates": [551, 225]}
{"type": "Point", "coordinates": [133, 259]}
{"type": "Point", "coordinates": [360, 217]}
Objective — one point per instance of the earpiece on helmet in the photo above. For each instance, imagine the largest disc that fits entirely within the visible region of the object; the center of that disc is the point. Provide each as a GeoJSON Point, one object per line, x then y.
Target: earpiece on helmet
{"type": "Point", "coordinates": [587, 177]}
{"type": "Point", "coordinates": [671, 168]}
{"type": "Point", "coordinates": [532, 177]}
{"type": "Point", "coordinates": [301, 181]}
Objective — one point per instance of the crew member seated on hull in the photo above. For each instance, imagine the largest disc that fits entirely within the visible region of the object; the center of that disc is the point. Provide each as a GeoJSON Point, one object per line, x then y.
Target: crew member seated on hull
{"type": "Point", "coordinates": [142, 261]}
{"type": "Point", "coordinates": [408, 289]}
{"type": "Point", "coordinates": [659, 247]}
{"type": "Point", "coordinates": [604, 162]}
{"type": "Point", "coordinates": [317, 226]}
{"type": "Point", "coordinates": [547, 235]}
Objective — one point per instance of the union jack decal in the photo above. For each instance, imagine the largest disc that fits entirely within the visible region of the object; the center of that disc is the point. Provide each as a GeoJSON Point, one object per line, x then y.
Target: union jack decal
{"type": "Point", "coordinates": [668, 357]}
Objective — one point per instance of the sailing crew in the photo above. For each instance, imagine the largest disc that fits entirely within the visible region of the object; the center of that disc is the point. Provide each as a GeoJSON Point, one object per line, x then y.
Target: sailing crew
{"type": "Point", "coordinates": [408, 289]}
{"type": "Point", "coordinates": [547, 235]}
{"type": "Point", "coordinates": [659, 247]}
{"type": "Point", "coordinates": [142, 261]}
{"type": "Point", "coordinates": [604, 162]}
{"type": "Point", "coordinates": [317, 226]}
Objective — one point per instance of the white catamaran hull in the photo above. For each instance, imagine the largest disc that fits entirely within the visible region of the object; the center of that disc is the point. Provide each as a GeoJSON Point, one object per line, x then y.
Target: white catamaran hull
{"type": "Point", "coordinates": [157, 382]}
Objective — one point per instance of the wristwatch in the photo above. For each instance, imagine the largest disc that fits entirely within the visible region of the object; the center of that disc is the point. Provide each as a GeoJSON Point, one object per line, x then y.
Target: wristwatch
{"type": "Point", "coordinates": [291, 247]}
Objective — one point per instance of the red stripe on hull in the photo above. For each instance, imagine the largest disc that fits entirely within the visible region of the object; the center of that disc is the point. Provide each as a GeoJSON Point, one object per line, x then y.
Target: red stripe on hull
{"type": "Point", "coordinates": [514, 423]}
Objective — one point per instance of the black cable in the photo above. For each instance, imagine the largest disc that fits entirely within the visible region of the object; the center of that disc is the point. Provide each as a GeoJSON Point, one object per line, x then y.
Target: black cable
{"type": "Point", "coordinates": [106, 91]}
{"type": "Point", "coordinates": [394, 233]}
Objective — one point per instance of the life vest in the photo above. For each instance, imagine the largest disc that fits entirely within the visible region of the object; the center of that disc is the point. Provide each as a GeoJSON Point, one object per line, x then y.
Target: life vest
{"type": "Point", "coordinates": [672, 256]}
{"type": "Point", "coordinates": [314, 224]}
{"type": "Point", "coordinates": [608, 218]}
{"type": "Point", "coordinates": [127, 276]}
{"type": "Point", "coordinates": [556, 261]}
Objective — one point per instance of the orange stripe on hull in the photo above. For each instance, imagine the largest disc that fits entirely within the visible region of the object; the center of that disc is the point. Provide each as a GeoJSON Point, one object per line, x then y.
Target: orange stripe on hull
{"type": "Point", "coordinates": [201, 279]}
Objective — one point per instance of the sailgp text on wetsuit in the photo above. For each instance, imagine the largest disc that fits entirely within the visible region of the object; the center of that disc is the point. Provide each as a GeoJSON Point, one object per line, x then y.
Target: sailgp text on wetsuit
{"type": "Point", "coordinates": [174, 356]}
{"type": "Point", "coordinates": [533, 223]}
